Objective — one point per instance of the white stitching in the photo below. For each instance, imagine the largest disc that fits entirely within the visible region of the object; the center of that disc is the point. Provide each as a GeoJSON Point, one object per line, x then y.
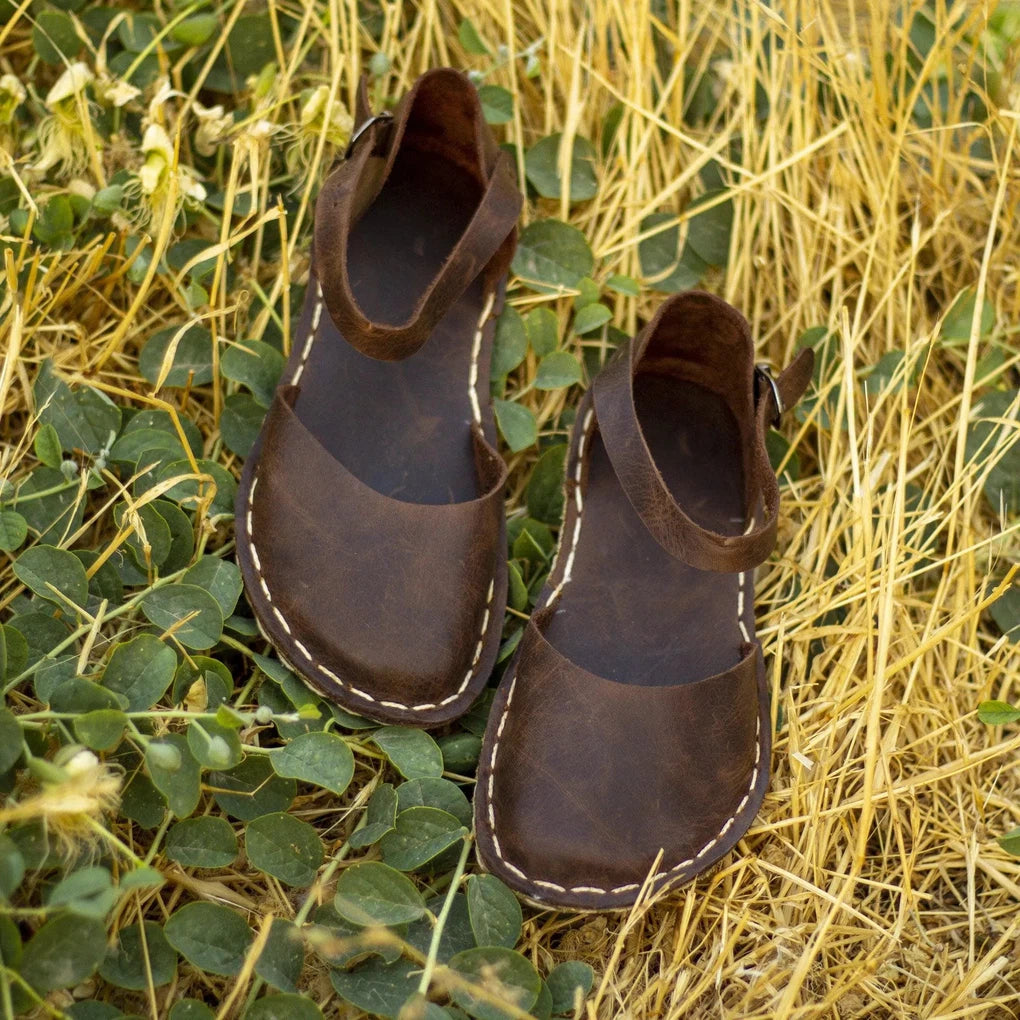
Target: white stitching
{"type": "Point", "coordinates": [257, 562]}
{"type": "Point", "coordinates": [586, 427]}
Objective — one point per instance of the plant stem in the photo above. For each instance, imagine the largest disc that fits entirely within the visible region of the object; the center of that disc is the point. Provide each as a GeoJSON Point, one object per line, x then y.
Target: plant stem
{"type": "Point", "coordinates": [437, 932]}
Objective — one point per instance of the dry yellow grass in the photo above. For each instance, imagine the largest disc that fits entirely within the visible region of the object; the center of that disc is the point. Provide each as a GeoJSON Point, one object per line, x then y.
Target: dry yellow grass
{"type": "Point", "coordinates": [871, 885]}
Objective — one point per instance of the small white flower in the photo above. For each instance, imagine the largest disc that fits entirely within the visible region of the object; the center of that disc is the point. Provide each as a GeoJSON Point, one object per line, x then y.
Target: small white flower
{"type": "Point", "coordinates": [69, 84]}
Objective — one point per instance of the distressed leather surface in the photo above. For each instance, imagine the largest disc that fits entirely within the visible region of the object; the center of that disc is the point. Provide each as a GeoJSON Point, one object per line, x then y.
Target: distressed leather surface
{"type": "Point", "coordinates": [373, 548]}
{"type": "Point", "coordinates": [634, 720]}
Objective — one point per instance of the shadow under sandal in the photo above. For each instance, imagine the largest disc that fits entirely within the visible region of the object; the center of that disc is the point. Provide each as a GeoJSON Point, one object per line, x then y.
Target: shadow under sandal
{"type": "Point", "coordinates": [370, 515]}
{"type": "Point", "coordinates": [630, 737]}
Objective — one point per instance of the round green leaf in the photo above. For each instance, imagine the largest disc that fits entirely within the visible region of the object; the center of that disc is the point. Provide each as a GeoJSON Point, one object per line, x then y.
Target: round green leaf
{"type": "Point", "coordinates": [497, 104]}
{"type": "Point", "coordinates": [150, 539]}
{"type": "Point", "coordinates": [552, 253]}
{"type": "Point", "coordinates": [374, 893]}
{"type": "Point", "coordinates": [214, 745]}
{"type": "Point", "coordinates": [251, 789]}
{"type": "Point", "coordinates": [436, 793]}
{"type": "Point", "coordinates": [140, 670]}
{"type": "Point", "coordinates": [54, 37]}
{"type": "Point", "coordinates": [196, 30]}
{"type": "Point", "coordinates": [565, 980]}
{"type": "Point", "coordinates": [379, 988]}
{"type": "Point", "coordinates": [207, 842]}
{"type": "Point", "coordinates": [419, 835]}
{"type": "Point", "coordinates": [12, 869]}
{"type": "Point", "coordinates": [956, 325]}
{"type": "Point", "coordinates": [87, 892]}
{"type": "Point", "coordinates": [456, 935]}
{"type": "Point", "coordinates": [1010, 842]}
{"type": "Point", "coordinates": [240, 423]}
{"type": "Point", "coordinates": [283, 1007]}
{"type": "Point", "coordinates": [591, 318]}
{"type": "Point", "coordinates": [85, 419]}
{"type": "Point", "coordinates": [13, 530]}
{"type": "Point", "coordinates": [182, 538]}
{"type": "Point", "coordinates": [63, 952]}
{"type": "Point", "coordinates": [256, 365]}
{"type": "Point", "coordinates": [220, 577]}
{"type": "Point", "coordinates": [1005, 611]}
{"type": "Point", "coordinates": [191, 1009]}
{"type": "Point", "coordinates": [495, 914]}
{"type": "Point", "coordinates": [543, 330]}
{"type": "Point", "coordinates": [545, 487]}
{"type": "Point", "coordinates": [662, 263]}
{"type": "Point", "coordinates": [502, 973]}
{"type": "Point", "coordinates": [52, 573]}
{"type": "Point", "coordinates": [541, 165]}
{"type": "Point", "coordinates": [190, 612]}
{"type": "Point", "coordinates": [211, 937]}
{"type": "Point", "coordinates": [471, 40]}
{"type": "Point", "coordinates": [285, 847]}
{"type": "Point", "coordinates": [189, 492]}
{"type": "Point", "coordinates": [283, 957]}
{"type": "Point", "coordinates": [60, 512]}
{"type": "Point", "coordinates": [557, 370]}
{"type": "Point", "coordinates": [380, 817]}
{"type": "Point", "coordinates": [708, 232]}
{"type": "Point", "coordinates": [125, 965]}
{"type": "Point", "coordinates": [510, 343]}
{"type": "Point", "coordinates": [460, 752]}
{"type": "Point", "coordinates": [190, 362]}
{"type": "Point", "coordinates": [174, 772]}
{"type": "Point", "coordinates": [101, 729]}
{"type": "Point", "coordinates": [516, 423]}
{"type": "Point", "coordinates": [323, 759]}
{"type": "Point", "coordinates": [413, 753]}
{"type": "Point", "coordinates": [10, 740]}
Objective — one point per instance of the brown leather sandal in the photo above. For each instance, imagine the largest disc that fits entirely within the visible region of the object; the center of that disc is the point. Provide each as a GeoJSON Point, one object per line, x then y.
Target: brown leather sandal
{"type": "Point", "coordinates": [630, 738]}
{"type": "Point", "coordinates": [370, 515]}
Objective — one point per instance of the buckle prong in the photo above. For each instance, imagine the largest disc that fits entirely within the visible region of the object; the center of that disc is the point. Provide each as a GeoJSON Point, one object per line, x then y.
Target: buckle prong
{"type": "Point", "coordinates": [363, 127]}
{"type": "Point", "coordinates": [765, 372]}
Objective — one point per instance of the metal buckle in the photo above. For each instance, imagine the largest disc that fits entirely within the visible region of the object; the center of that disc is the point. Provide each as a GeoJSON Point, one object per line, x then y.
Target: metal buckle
{"type": "Point", "coordinates": [764, 372]}
{"type": "Point", "coordinates": [363, 128]}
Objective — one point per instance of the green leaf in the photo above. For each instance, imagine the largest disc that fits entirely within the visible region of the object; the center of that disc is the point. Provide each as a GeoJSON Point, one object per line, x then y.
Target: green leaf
{"type": "Point", "coordinates": [501, 972]}
{"type": "Point", "coordinates": [190, 612]}
{"type": "Point", "coordinates": [214, 745]}
{"type": "Point", "coordinates": [564, 981]}
{"type": "Point", "coordinates": [591, 318]}
{"type": "Point", "coordinates": [54, 37]}
{"type": "Point", "coordinates": [541, 165]}
{"type": "Point", "coordinates": [380, 817]}
{"type": "Point", "coordinates": [624, 285]}
{"type": "Point", "coordinates": [256, 365]}
{"type": "Point", "coordinates": [182, 538]}
{"type": "Point", "coordinates": [1010, 842]}
{"type": "Point", "coordinates": [435, 793]}
{"type": "Point", "coordinates": [1005, 611]}
{"type": "Point", "coordinates": [140, 670]}
{"type": "Point", "coordinates": [10, 740]}
{"type": "Point", "coordinates": [378, 988]}
{"type": "Point", "coordinates": [283, 1007]}
{"type": "Point", "coordinates": [84, 419]}
{"type": "Point", "coordinates": [510, 344]}
{"type": "Point", "coordinates": [13, 530]}
{"type": "Point", "coordinates": [543, 330]}
{"type": "Point", "coordinates": [460, 752]}
{"type": "Point", "coordinates": [456, 935]}
{"type": "Point", "coordinates": [495, 914]}
{"type": "Point", "coordinates": [211, 937]}
{"type": "Point", "coordinates": [188, 363]}
{"type": "Point", "coordinates": [517, 596]}
{"type": "Point", "coordinates": [662, 264]}
{"type": "Point", "coordinates": [993, 447]}
{"type": "Point", "coordinates": [708, 233]}
{"type": "Point", "coordinates": [283, 957]}
{"type": "Point", "coordinates": [189, 492]}
{"type": "Point", "coordinates": [285, 847]}
{"type": "Point", "coordinates": [516, 423]}
{"type": "Point", "coordinates": [220, 578]}
{"type": "Point", "coordinates": [206, 842]}
{"type": "Point", "coordinates": [497, 104]}
{"type": "Point", "coordinates": [101, 729]}
{"type": "Point", "coordinates": [320, 758]}
{"type": "Point", "coordinates": [129, 963]}
{"type": "Point", "coordinates": [47, 571]}
{"type": "Point", "coordinates": [587, 292]}
{"type": "Point", "coordinates": [420, 834]}
{"type": "Point", "coordinates": [545, 487]}
{"type": "Point", "coordinates": [88, 892]}
{"type": "Point", "coordinates": [176, 776]}
{"type": "Point", "coordinates": [471, 40]}
{"type": "Point", "coordinates": [552, 254]}
{"type": "Point", "coordinates": [957, 323]}
{"type": "Point", "coordinates": [998, 713]}
{"type": "Point", "coordinates": [196, 30]}
{"type": "Point", "coordinates": [252, 789]}
{"type": "Point", "coordinates": [374, 893]}
{"type": "Point", "coordinates": [240, 423]}
{"type": "Point", "coordinates": [150, 538]}
{"type": "Point", "coordinates": [557, 370]}
{"type": "Point", "coordinates": [191, 1009]}
{"type": "Point", "coordinates": [47, 446]}
{"type": "Point", "coordinates": [55, 515]}
{"type": "Point", "coordinates": [413, 753]}
{"type": "Point", "coordinates": [63, 952]}
{"type": "Point", "coordinates": [12, 869]}
{"type": "Point", "coordinates": [534, 542]}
